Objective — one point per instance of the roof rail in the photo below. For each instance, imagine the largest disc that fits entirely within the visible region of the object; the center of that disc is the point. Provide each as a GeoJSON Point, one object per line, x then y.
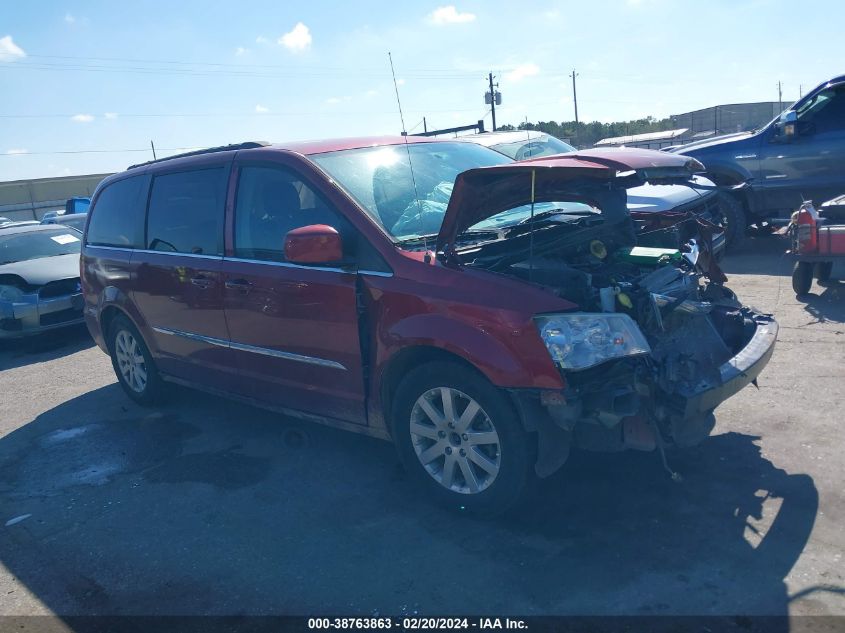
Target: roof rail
{"type": "Point", "coordinates": [210, 150]}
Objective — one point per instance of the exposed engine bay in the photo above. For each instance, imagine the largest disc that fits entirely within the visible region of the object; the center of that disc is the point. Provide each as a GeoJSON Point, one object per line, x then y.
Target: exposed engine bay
{"type": "Point", "coordinates": [692, 326]}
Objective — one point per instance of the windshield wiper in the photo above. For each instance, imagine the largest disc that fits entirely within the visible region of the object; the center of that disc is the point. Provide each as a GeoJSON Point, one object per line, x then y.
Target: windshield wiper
{"type": "Point", "coordinates": [543, 215]}
{"type": "Point", "coordinates": [415, 239]}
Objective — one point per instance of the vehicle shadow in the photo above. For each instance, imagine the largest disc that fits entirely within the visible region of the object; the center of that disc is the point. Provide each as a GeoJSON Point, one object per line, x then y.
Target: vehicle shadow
{"type": "Point", "coordinates": [827, 306]}
{"type": "Point", "coordinates": [44, 347]}
{"type": "Point", "coordinates": [209, 507]}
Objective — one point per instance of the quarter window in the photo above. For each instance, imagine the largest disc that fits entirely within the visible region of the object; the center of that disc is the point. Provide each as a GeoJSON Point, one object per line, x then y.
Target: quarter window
{"type": "Point", "coordinates": [117, 219]}
{"type": "Point", "coordinates": [186, 212]}
{"type": "Point", "coordinates": [272, 201]}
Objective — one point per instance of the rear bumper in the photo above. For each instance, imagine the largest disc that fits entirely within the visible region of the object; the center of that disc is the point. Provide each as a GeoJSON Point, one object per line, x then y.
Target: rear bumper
{"type": "Point", "coordinates": [32, 315]}
{"type": "Point", "coordinates": [736, 373]}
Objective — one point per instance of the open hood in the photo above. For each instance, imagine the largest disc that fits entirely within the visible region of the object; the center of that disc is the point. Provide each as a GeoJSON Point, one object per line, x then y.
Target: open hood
{"type": "Point", "coordinates": [485, 191]}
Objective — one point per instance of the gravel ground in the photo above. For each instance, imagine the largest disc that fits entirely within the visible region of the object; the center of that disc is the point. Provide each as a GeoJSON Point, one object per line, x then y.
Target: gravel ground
{"type": "Point", "coordinates": [210, 507]}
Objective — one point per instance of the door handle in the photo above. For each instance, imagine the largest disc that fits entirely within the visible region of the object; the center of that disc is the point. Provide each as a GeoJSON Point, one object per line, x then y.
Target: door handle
{"type": "Point", "coordinates": [239, 284]}
{"type": "Point", "coordinates": [201, 281]}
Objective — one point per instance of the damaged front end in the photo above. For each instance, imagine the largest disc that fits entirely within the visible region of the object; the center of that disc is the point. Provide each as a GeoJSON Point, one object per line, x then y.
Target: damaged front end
{"type": "Point", "coordinates": [688, 346]}
{"type": "Point", "coordinates": [657, 341]}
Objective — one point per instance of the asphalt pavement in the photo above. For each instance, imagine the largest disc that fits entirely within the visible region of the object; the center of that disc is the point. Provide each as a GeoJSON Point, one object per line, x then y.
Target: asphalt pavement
{"type": "Point", "coordinates": [205, 506]}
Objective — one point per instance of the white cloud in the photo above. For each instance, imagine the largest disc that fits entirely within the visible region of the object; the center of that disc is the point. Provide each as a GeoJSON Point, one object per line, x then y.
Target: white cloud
{"type": "Point", "coordinates": [82, 118]}
{"type": "Point", "coordinates": [16, 150]}
{"type": "Point", "coordinates": [400, 82]}
{"type": "Point", "coordinates": [336, 100]}
{"type": "Point", "coordinates": [9, 51]}
{"type": "Point", "coordinates": [240, 51]}
{"type": "Point", "coordinates": [522, 71]}
{"type": "Point", "coordinates": [449, 15]}
{"type": "Point", "coordinates": [370, 94]}
{"type": "Point", "coordinates": [260, 109]}
{"type": "Point", "coordinates": [69, 18]}
{"type": "Point", "coordinates": [110, 115]}
{"type": "Point", "coordinates": [298, 39]}
{"type": "Point", "coordinates": [261, 40]}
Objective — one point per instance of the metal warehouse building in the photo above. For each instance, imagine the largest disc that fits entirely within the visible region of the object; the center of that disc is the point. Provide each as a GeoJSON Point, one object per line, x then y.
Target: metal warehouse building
{"type": "Point", "coordinates": [31, 199]}
{"type": "Point", "coordinates": [701, 124]}
{"type": "Point", "coordinates": [729, 118]}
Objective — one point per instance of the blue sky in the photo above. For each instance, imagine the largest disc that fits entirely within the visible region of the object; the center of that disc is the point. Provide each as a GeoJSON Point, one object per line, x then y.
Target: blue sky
{"type": "Point", "coordinates": [105, 76]}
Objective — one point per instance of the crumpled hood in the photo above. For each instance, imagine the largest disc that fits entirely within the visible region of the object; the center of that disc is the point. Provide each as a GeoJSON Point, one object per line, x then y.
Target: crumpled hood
{"type": "Point", "coordinates": [483, 192]}
{"type": "Point", "coordinates": [713, 142]}
{"type": "Point", "coordinates": [37, 272]}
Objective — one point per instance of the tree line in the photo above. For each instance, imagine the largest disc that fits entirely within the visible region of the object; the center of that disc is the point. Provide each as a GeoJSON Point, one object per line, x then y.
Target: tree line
{"type": "Point", "coordinates": [588, 134]}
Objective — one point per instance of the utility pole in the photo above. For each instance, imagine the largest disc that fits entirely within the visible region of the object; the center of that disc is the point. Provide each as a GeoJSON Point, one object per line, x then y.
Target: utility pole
{"type": "Point", "coordinates": [154, 149]}
{"type": "Point", "coordinates": [493, 99]}
{"type": "Point", "coordinates": [800, 90]}
{"type": "Point", "coordinates": [574, 95]}
{"type": "Point", "coordinates": [780, 98]}
{"type": "Point", "coordinates": [425, 126]}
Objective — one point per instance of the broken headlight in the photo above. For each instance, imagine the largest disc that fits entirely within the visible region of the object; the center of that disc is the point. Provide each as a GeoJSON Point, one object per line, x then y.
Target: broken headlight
{"type": "Point", "coordinates": [582, 340]}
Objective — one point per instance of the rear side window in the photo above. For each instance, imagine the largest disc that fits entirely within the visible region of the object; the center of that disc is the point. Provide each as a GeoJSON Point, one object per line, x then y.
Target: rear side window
{"type": "Point", "coordinates": [186, 212]}
{"type": "Point", "coordinates": [117, 219]}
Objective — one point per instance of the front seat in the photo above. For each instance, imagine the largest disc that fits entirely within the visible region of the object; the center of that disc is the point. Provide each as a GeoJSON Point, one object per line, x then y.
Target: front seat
{"type": "Point", "coordinates": [277, 212]}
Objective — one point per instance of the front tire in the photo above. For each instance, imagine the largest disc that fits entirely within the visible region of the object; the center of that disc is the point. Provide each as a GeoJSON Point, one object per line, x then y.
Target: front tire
{"type": "Point", "coordinates": [459, 437]}
{"type": "Point", "coordinates": [133, 364]}
{"type": "Point", "coordinates": [733, 215]}
{"type": "Point", "coordinates": [802, 277]}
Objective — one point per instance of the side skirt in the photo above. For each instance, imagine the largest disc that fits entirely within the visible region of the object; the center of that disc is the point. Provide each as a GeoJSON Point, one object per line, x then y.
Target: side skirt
{"type": "Point", "coordinates": [294, 413]}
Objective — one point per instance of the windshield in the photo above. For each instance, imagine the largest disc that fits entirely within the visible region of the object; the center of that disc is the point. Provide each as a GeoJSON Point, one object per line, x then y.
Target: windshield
{"type": "Point", "coordinates": [19, 247]}
{"type": "Point", "coordinates": [379, 179]}
{"type": "Point", "coordinates": [543, 145]}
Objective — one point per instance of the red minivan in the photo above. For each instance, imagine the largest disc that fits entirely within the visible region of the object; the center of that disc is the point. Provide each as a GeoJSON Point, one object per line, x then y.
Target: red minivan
{"type": "Point", "coordinates": [484, 315]}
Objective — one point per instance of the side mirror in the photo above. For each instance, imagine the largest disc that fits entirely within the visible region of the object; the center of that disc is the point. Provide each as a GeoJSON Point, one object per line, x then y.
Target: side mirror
{"type": "Point", "coordinates": [787, 126]}
{"type": "Point", "coordinates": [314, 244]}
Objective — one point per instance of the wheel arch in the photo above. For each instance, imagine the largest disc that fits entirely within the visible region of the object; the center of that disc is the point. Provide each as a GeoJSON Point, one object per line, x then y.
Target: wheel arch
{"type": "Point", "coordinates": [406, 359]}
{"type": "Point", "coordinates": [108, 314]}
{"type": "Point", "coordinates": [731, 179]}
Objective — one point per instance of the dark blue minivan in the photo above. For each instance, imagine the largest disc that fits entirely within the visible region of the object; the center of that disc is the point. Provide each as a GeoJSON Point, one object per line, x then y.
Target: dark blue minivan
{"type": "Point", "coordinates": [798, 156]}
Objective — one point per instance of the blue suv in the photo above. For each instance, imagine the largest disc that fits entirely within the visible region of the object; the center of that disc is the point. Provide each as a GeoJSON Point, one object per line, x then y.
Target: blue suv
{"type": "Point", "coordinates": [798, 156]}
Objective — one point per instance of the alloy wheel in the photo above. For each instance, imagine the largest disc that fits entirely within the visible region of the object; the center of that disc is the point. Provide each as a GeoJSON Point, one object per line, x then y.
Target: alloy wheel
{"type": "Point", "coordinates": [455, 440]}
{"type": "Point", "coordinates": [130, 361]}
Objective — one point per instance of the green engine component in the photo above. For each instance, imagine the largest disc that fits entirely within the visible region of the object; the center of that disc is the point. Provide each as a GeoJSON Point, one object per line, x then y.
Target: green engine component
{"type": "Point", "coordinates": [648, 256]}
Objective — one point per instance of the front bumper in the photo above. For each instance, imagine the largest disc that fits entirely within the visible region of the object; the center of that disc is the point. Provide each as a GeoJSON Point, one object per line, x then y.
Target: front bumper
{"type": "Point", "coordinates": [32, 315]}
{"type": "Point", "coordinates": [610, 410]}
{"type": "Point", "coordinates": [734, 374]}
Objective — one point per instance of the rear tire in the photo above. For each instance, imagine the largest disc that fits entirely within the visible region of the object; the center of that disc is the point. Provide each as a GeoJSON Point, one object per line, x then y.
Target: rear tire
{"type": "Point", "coordinates": [733, 214]}
{"type": "Point", "coordinates": [479, 461]}
{"type": "Point", "coordinates": [823, 270]}
{"type": "Point", "coordinates": [133, 364]}
{"type": "Point", "coordinates": [802, 277]}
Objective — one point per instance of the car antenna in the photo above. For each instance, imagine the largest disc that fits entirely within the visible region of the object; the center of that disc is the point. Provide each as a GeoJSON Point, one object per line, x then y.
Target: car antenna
{"type": "Point", "coordinates": [410, 163]}
{"type": "Point", "coordinates": [531, 232]}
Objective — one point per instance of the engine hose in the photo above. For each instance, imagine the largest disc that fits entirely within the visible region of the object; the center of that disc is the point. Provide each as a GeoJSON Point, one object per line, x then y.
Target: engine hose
{"type": "Point", "coordinates": [675, 475]}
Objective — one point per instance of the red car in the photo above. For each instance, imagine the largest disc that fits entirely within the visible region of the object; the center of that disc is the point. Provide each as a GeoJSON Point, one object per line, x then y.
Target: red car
{"type": "Point", "coordinates": [484, 315]}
